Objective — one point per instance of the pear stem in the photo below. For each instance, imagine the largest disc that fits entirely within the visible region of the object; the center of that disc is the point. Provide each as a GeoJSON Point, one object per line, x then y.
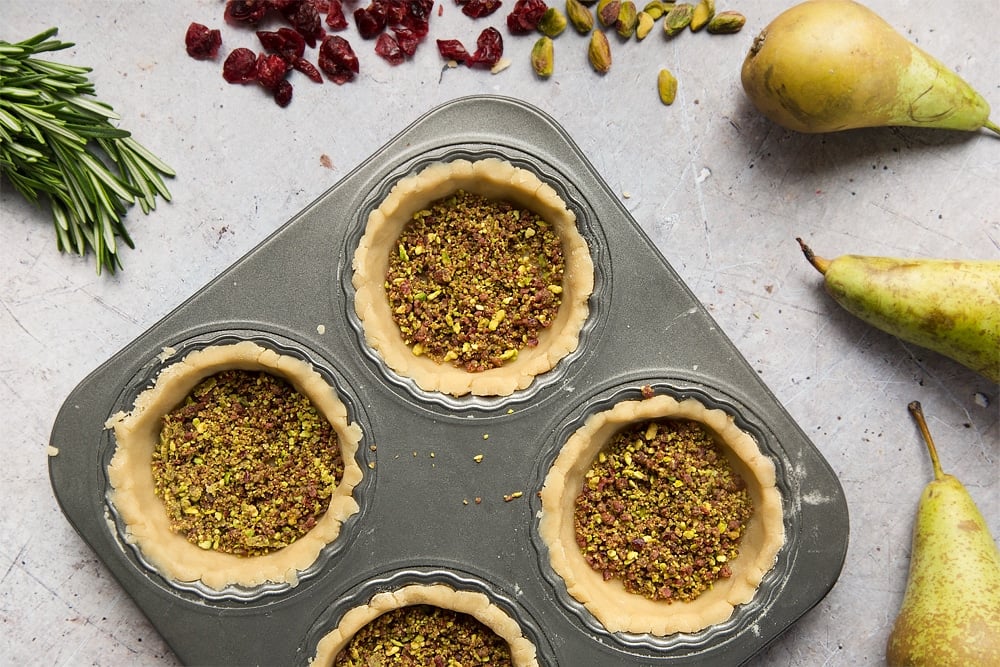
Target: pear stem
{"type": "Point", "coordinates": [819, 263]}
{"type": "Point", "coordinates": [918, 413]}
{"type": "Point", "coordinates": [990, 125]}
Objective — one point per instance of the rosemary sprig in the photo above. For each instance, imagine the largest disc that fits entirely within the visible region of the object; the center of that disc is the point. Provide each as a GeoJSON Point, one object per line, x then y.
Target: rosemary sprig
{"type": "Point", "coordinates": [59, 148]}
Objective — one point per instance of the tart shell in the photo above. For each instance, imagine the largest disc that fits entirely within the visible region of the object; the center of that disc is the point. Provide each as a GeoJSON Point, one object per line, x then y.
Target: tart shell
{"type": "Point", "coordinates": [496, 179]}
{"type": "Point", "coordinates": [473, 603]}
{"type": "Point", "coordinates": [617, 609]}
{"type": "Point", "coordinates": [146, 522]}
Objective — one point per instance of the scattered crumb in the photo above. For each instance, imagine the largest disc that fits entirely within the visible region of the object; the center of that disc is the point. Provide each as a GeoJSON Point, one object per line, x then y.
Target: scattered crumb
{"type": "Point", "coordinates": [626, 194]}
{"type": "Point", "coordinates": [325, 160]}
{"type": "Point", "coordinates": [512, 496]}
{"type": "Point", "coordinates": [52, 451]}
{"type": "Point", "coordinates": [981, 399]}
{"type": "Point", "coordinates": [478, 500]}
{"type": "Point", "coordinates": [371, 465]}
{"type": "Point", "coordinates": [501, 65]}
{"type": "Point", "coordinates": [321, 329]}
{"type": "Point", "coordinates": [478, 458]}
{"type": "Point", "coordinates": [486, 436]}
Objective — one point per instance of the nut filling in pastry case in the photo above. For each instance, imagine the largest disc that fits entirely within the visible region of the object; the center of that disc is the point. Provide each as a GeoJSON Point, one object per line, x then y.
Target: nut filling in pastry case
{"type": "Point", "coordinates": [473, 375]}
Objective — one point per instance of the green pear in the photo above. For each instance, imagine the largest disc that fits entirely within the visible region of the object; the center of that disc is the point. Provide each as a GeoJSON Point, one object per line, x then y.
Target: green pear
{"type": "Point", "coordinates": [829, 65]}
{"type": "Point", "coordinates": [950, 614]}
{"type": "Point", "coordinates": [949, 306]}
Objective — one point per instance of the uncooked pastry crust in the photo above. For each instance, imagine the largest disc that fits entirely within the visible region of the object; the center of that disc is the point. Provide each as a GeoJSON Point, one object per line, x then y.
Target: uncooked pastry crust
{"type": "Point", "coordinates": [475, 604]}
{"type": "Point", "coordinates": [130, 473]}
{"type": "Point", "coordinates": [617, 609]}
{"type": "Point", "coordinates": [496, 179]}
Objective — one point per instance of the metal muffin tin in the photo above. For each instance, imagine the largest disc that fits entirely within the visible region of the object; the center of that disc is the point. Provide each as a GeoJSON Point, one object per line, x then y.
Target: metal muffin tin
{"type": "Point", "coordinates": [419, 520]}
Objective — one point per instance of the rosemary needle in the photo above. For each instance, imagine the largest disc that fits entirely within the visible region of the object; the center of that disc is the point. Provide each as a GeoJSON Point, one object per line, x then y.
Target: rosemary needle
{"type": "Point", "coordinates": [58, 147]}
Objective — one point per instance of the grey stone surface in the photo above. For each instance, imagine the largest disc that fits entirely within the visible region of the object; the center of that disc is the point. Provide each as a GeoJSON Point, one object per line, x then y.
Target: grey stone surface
{"type": "Point", "coordinates": [721, 191]}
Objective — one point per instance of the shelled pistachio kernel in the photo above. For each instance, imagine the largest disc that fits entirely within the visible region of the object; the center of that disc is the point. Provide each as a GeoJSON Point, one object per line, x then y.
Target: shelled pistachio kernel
{"type": "Point", "coordinates": [678, 18]}
{"type": "Point", "coordinates": [599, 52]}
{"type": "Point", "coordinates": [726, 23]}
{"type": "Point", "coordinates": [552, 23]}
{"type": "Point", "coordinates": [657, 8]}
{"type": "Point", "coordinates": [607, 12]}
{"type": "Point", "coordinates": [580, 16]}
{"type": "Point", "coordinates": [666, 85]}
{"type": "Point", "coordinates": [542, 56]}
{"type": "Point", "coordinates": [420, 634]}
{"type": "Point", "coordinates": [702, 14]}
{"type": "Point", "coordinates": [644, 23]}
{"type": "Point", "coordinates": [246, 465]}
{"type": "Point", "coordinates": [627, 19]}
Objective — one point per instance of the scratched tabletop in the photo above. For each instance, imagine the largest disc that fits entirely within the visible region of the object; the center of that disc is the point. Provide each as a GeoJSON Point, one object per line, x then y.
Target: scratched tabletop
{"type": "Point", "coordinates": [720, 191]}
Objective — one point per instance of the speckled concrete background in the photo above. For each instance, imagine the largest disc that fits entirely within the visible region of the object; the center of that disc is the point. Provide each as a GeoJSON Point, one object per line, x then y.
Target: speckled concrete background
{"type": "Point", "coordinates": [722, 192]}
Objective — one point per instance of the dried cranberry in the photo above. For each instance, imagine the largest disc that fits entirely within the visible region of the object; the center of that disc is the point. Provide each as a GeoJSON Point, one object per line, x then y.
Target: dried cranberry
{"type": "Point", "coordinates": [287, 43]}
{"type": "Point", "coordinates": [307, 68]}
{"type": "Point", "coordinates": [407, 40]}
{"type": "Point", "coordinates": [271, 69]}
{"type": "Point", "coordinates": [283, 93]}
{"type": "Point", "coordinates": [337, 59]}
{"type": "Point", "coordinates": [240, 66]}
{"type": "Point", "coordinates": [479, 8]}
{"type": "Point", "coordinates": [304, 17]}
{"type": "Point", "coordinates": [420, 10]}
{"type": "Point", "coordinates": [387, 47]}
{"type": "Point", "coordinates": [452, 49]}
{"type": "Point", "coordinates": [395, 12]}
{"type": "Point", "coordinates": [525, 16]}
{"type": "Point", "coordinates": [249, 12]}
{"type": "Point", "coordinates": [335, 18]}
{"type": "Point", "coordinates": [370, 20]}
{"type": "Point", "coordinates": [489, 48]}
{"type": "Point", "coordinates": [202, 43]}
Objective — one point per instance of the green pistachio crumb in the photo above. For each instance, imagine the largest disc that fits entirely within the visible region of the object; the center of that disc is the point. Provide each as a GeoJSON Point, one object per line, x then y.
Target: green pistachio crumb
{"type": "Point", "coordinates": [425, 635]}
{"type": "Point", "coordinates": [495, 271]}
{"type": "Point", "coordinates": [246, 464]}
{"type": "Point", "coordinates": [662, 510]}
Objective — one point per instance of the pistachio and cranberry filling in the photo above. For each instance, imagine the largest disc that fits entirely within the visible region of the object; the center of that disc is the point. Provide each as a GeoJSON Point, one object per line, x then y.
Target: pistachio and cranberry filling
{"type": "Point", "coordinates": [473, 280]}
{"type": "Point", "coordinates": [246, 465]}
{"type": "Point", "coordinates": [662, 510]}
{"type": "Point", "coordinates": [426, 636]}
